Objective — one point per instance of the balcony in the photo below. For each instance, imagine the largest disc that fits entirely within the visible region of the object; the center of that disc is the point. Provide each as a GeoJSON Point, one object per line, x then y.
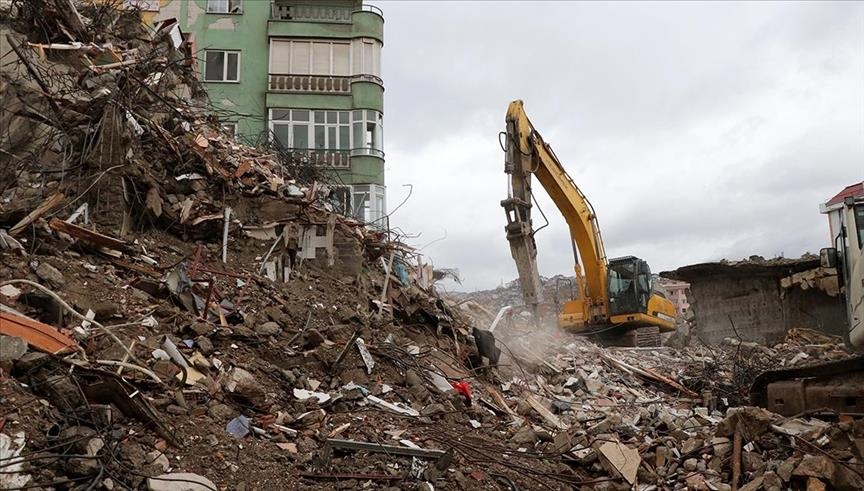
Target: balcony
{"type": "Point", "coordinates": [316, 84]}
{"type": "Point", "coordinates": [311, 13]}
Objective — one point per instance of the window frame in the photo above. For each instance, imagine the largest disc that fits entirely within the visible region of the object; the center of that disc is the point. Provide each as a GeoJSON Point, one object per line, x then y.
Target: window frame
{"type": "Point", "coordinates": [357, 63]}
{"type": "Point", "coordinates": [289, 46]}
{"type": "Point", "coordinates": [228, 7]}
{"type": "Point", "coordinates": [373, 208]}
{"type": "Point", "coordinates": [311, 126]}
{"type": "Point", "coordinates": [858, 217]}
{"type": "Point", "coordinates": [226, 53]}
{"type": "Point", "coordinates": [231, 127]}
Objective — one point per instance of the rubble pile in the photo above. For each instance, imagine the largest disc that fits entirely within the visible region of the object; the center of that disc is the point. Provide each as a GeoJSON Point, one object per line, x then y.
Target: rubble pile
{"type": "Point", "coordinates": [181, 312]}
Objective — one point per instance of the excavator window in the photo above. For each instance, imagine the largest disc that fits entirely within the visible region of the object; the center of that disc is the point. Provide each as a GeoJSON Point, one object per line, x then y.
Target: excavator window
{"type": "Point", "coordinates": [629, 284]}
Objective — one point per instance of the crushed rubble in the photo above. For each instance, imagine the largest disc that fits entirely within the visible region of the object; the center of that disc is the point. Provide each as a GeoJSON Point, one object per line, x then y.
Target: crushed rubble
{"type": "Point", "coordinates": [145, 348]}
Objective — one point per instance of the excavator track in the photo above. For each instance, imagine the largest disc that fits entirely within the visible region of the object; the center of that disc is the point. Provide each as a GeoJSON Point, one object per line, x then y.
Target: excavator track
{"type": "Point", "coordinates": [836, 386]}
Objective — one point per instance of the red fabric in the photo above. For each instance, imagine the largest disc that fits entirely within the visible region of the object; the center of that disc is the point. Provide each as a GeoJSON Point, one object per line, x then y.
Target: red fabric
{"type": "Point", "coordinates": [462, 388]}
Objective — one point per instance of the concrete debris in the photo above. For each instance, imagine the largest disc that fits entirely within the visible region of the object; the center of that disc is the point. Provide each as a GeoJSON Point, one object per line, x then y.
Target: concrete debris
{"type": "Point", "coordinates": [12, 348]}
{"type": "Point", "coordinates": [180, 481]}
{"type": "Point", "coordinates": [242, 321]}
{"type": "Point", "coordinates": [625, 460]}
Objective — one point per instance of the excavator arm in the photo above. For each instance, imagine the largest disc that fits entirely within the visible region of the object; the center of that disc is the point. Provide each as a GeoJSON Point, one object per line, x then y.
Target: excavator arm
{"type": "Point", "coordinates": [528, 154]}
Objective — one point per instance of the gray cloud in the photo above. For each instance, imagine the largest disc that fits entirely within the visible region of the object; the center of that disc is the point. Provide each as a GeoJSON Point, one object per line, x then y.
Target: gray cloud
{"type": "Point", "coordinates": [698, 130]}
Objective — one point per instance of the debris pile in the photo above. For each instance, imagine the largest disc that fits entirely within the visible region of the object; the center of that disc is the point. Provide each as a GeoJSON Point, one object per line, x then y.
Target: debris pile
{"type": "Point", "coordinates": [180, 311]}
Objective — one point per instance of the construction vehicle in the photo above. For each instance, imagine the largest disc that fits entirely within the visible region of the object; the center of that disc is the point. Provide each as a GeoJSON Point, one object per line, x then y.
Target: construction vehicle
{"type": "Point", "coordinates": [612, 299]}
{"type": "Point", "coordinates": [836, 386]}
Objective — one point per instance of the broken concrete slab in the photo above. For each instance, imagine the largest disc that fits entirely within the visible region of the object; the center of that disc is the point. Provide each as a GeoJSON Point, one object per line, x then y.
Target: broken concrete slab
{"type": "Point", "coordinates": [180, 481]}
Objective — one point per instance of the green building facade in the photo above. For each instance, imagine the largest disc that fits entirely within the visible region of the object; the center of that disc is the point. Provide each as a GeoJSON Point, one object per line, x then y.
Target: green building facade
{"type": "Point", "coordinates": [304, 75]}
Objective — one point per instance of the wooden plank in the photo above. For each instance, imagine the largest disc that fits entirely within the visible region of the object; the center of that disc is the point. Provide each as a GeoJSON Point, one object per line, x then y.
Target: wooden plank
{"type": "Point", "coordinates": [499, 399]}
{"type": "Point", "coordinates": [86, 235]}
{"type": "Point", "coordinates": [38, 335]}
{"type": "Point", "coordinates": [47, 206]}
{"type": "Point", "coordinates": [547, 414]}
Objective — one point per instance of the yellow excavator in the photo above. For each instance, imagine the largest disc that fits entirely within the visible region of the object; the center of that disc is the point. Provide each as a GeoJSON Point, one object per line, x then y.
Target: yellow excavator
{"type": "Point", "coordinates": [615, 298]}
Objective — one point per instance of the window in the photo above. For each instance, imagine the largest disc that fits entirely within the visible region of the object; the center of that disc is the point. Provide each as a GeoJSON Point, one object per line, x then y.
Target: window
{"type": "Point", "coordinates": [230, 128]}
{"type": "Point", "coordinates": [303, 129]}
{"type": "Point", "coordinates": [224, 6]}
{"type": "Point", "coordinates": [859, 224]}
{"type": "Point", "coordinates": [340, 197]}
{"type": "Point", "coordinates": [369, 203]}
{"type": "Point", "coordinates": [310, 57]}
{"type": "Point", "coordinates": [368, 128]}
{"type": "Point", "coordinates": [360, 131]}
{"type": "Point", "coordinates": [367, 56]}
{"type": "Point", "coordinates": [221, 66]}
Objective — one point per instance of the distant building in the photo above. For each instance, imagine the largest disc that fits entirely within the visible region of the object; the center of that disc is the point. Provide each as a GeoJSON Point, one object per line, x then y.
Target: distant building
{"type": "Point", "coordinates": [677, 293]}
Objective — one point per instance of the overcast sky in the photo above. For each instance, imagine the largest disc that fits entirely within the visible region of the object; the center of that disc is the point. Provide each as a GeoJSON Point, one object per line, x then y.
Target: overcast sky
{"type": "Point", "coordinates": [699, 131]}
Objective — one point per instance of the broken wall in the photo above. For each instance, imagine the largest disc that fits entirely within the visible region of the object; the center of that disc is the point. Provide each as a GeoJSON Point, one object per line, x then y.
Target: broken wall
{"type": "Point", "coordinates": [747, 300]}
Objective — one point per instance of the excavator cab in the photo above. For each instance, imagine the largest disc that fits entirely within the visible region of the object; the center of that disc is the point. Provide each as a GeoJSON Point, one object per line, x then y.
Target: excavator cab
{"type": "Point", "coordinates": [629, 285]}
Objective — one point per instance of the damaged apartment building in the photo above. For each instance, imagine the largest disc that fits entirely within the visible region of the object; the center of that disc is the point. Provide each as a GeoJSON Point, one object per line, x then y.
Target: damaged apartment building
{"type": "Point", "coordinates": [303, 76]}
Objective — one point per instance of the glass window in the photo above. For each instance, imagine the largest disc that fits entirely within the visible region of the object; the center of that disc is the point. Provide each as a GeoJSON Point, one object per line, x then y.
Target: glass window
{"type": "Point", "coordinates": [280, 133]}
{"type": "Point", "coordinates": [217, 6]}
{"type": "Point", "coordinates": [300, 58]}
{"type": "Point", "coordinates": [230, 128]}
{"type": "Point", "coordinates": [301, 136]}
{"type": "Point", "coordinates": [344, 137]}
{"type": "Point", "coordinates": [214, 62]}
{"type": "Point", "coordinates": [221, 66]}
{"type": "Point", "coordinates": [357, 129]}
{"type": "Point", "coordinates": [280, 56]}
{"type": "Point", "coordinates": [321, 58]}
{"type": "Point", "coordinates": [224, 6]}
{"type": "Point", "coordinates": [368, 54]}
{"type": "Point", "coordinates": [306, 135]}
{"type": "Point", "coordinates": [232, 70]}
{"type": "Point", "coordinates": [357, 51]}
{"type": "Point", "coordinates": [859, 224]}
{"type": "Point", "coordinates": [319, 137]}
{"type": "Point", "coordinates": [340, 197]}
{"type": "Point", "coordinates": [341, 59]}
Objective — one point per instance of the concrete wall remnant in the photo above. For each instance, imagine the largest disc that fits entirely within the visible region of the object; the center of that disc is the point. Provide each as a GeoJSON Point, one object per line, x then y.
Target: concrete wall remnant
{"type": "Point", "coordinates": [759, 300]}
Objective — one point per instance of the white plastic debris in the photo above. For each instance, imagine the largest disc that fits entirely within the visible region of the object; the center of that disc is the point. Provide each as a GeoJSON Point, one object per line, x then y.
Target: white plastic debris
{"type": "Point", "coordinates": [392, 407]}
{"type": "Point", "coordinates": [364, 353]}
{"type": "Point", "coordinates": [303, 395]}
{"type": "Point", "coordinates": [12, 476]}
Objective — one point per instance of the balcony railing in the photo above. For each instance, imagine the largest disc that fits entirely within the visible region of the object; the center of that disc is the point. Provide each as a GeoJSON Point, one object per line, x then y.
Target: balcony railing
{"type": "Point", "coordinates": [316, 84]}
{"type": "Point", "coordinates": [373, 9]}
{"type": "Point", "coordinates": [337, 159]}
{"type": "Point", "coordinates": [310, 13]}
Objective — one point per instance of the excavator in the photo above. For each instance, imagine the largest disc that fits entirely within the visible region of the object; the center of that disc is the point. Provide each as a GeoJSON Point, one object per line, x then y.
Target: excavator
{"type": "Point", "coordinates": [613, 299]}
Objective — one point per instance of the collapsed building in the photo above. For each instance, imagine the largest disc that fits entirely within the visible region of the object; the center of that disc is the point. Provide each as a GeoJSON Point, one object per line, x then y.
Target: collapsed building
{"type": "Point", "coordinates": [760, 300]}
{"type": "Point", "coordinates": [182, 312]}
